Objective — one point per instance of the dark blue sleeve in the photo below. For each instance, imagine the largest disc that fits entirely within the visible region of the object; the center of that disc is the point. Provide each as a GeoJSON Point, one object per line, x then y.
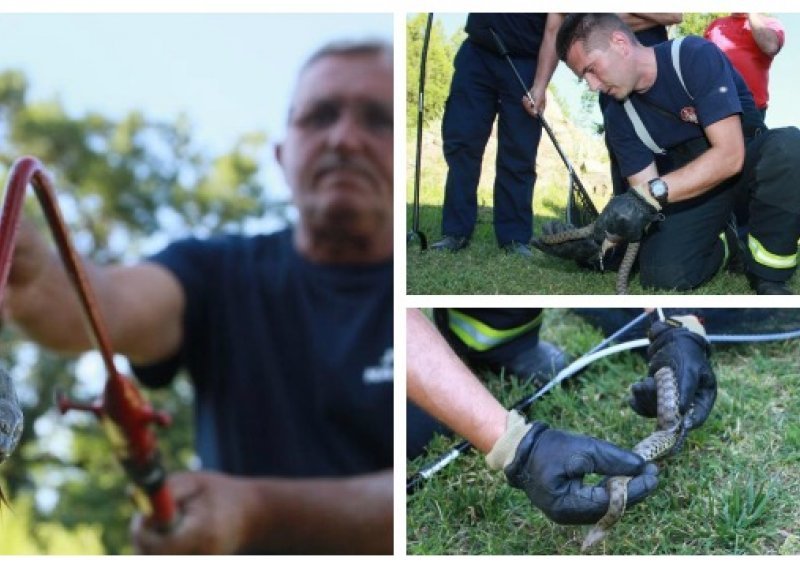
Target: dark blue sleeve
{"type": "Point", "coordinates": [191, 262]}
{"type": "Point", "coordinates": [707, 74]}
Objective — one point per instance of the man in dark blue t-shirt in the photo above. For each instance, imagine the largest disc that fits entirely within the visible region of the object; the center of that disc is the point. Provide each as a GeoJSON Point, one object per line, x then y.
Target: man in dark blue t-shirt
{"type": "Point", "coordinates": [484, 87]}
{"type": "Point", "coordinates": [693, 107]}
{"type": "Point", "coordinates": [288, 338]}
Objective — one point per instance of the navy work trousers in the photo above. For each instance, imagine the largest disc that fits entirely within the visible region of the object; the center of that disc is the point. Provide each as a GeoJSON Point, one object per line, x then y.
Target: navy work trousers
{"type": "Point", "coordinates": [484, 86]}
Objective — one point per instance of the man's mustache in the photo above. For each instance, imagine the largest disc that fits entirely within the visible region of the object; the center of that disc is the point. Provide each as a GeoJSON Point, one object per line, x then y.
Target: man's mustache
{"type": "Point", "coordinates": [332, 162]}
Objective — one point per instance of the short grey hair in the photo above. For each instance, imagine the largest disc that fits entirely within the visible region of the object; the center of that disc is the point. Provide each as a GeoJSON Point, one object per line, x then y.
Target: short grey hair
{"type": "Point", "coordinates": [344, 48]}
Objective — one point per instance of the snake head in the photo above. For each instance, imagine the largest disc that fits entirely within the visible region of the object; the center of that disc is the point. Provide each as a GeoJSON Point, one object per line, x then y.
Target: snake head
{"type": "Point", "coordinates": [10, 428]}
{"type": "Point", "coordinates": [609, 242]}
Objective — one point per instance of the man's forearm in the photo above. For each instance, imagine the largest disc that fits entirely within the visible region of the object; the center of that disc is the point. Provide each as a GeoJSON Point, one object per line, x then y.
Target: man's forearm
{"type": "Point", "coordinates": [765, 37]}
{"type": "Point", "coordinates": [47, 309]}
{"type": "Point", "coordinates": [351, 515]}
{"type": "Point", "coordinates": [440, 383]}
{"type": "Point", "coordinates": [695, 178]}
{"type": "Point", "coordinates": [723, 159]}
{"type": "Point", "coordinates": [644, 21]}
{"type": "Point", "coordinates": [141, 305]}
{"type": "Point", "coordinates": [548, 58]}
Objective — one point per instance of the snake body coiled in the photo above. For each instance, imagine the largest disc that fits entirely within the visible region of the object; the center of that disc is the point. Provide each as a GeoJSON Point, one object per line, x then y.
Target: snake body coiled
{"type": "Point", "coordinates": [625, 267]}
{"type": "Point", "coordinates": [656, 445]}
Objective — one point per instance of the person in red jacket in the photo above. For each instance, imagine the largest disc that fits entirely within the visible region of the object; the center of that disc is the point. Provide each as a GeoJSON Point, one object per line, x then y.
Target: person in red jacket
{"type": "Point", "coordinates": [751, 42]}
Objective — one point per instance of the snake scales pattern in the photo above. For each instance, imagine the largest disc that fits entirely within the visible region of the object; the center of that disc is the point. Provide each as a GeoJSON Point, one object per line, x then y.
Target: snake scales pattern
{"type": "Point", "coordinates": [10, 420]}
{"type": "Point", "coordinates": [625, 267]}
{"type": "Point", "coordinates": [656, 445]}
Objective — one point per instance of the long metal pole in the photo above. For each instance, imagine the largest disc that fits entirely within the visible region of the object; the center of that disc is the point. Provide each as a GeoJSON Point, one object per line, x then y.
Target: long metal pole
{"type": "Point", "coordinates": [415, 231]}
{"type": "Point", "coordinates": [124, 413]}
{"type": "Point", "coordinates": [573, 176]}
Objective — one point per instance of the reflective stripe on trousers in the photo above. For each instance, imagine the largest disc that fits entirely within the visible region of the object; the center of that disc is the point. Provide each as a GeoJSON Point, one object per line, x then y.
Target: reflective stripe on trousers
{"type": "Point", "coordinates": [762, 256]}
{"type": "Point", "coordinates": [481, 337]}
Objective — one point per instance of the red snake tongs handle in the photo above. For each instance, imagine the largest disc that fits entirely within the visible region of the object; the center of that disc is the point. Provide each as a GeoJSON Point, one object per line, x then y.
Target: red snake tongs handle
{"type": "Point", "coordinates": [125, 415]}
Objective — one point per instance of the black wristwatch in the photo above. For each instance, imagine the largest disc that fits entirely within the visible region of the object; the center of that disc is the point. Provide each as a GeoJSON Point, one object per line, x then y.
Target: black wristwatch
{"type": "Point", "coordinates": [659, 190]}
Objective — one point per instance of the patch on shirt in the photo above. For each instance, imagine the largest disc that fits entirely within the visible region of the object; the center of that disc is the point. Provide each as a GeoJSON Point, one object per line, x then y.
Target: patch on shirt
{"type": "Point", "coordinates": [689, 114]}
{"type": "Point", "coordinates": [383, 372]}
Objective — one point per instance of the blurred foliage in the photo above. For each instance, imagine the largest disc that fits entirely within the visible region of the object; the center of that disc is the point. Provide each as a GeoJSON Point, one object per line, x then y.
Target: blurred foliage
{"type": "Point", "coordinates": [120, 182]}
{"type": "Point", "coordinates": [695, 23]}
{"type": "Point", "coordinates": [20, 537]}
{"type": "Point", "coordinates": [438, 68]}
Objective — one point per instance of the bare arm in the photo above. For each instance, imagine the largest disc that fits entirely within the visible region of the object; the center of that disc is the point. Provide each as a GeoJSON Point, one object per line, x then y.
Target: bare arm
{"type": "Point", "coordinates": [722, 160]}
{"type": "Point", "coordinates": [546, 65]}
{"type": "Point", "coordinates": [141, 305]}
{"type": "Point", "coordinates": [440, 383]}
{"type": "Point", "coordinates": [222, 514]}
{"type": "Point", "coordinates": [765, 37]}
{"type": "Point", "coordinates": [644, 21]}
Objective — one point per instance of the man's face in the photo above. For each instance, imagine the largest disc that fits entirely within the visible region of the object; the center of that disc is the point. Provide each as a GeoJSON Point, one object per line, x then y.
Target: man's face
{"type": "Point", "coordinates": [606, 70]}
{"type": "Point", "coordinates": [338, 153]}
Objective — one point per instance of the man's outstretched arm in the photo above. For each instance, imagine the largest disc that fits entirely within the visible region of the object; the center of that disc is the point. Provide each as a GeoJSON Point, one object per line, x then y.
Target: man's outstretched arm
{"type": "Point", "coordinates": [142, 305]}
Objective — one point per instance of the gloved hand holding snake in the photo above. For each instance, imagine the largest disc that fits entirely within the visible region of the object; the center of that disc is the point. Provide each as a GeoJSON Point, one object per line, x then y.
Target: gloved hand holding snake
{"type": "Point", "coordinates": [626, 218]}
{"type": "Point", "coordinates": [679, 343]}
{"type": "Point", "coordinates": [549, 465]}
{"type": "Point", "coordinates": [679, 392]}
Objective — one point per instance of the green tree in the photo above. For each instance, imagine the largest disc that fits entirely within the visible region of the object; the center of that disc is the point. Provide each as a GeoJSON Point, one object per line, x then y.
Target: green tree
{"type": "Point", "coordinates": [439, 69]}
{"type": "Point", "coordinates": [120, 181]}
{"type": "Point", "coordinates": [695, 23]}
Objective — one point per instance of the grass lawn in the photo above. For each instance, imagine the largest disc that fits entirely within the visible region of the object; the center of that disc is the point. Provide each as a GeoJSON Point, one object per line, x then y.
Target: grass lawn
{"type": "Point", "coordinates": [483, 268]}
{"type": "Point", "coordinates": [734, 488]}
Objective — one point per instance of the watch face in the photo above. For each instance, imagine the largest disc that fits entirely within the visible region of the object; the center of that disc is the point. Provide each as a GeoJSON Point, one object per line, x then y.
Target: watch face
{"type": "Point", "coordinates": [658, 189]}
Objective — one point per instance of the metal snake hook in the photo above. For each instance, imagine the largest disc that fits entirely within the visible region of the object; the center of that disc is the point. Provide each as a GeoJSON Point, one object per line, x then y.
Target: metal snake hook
{"type": "Point", "coordinates": [126, 416]}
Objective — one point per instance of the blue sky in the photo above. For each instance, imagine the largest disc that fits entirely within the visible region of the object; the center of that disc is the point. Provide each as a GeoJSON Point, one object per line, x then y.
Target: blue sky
{"type": "Point", "coordinates": [783, 108]}
{"type": "Point", "coordinates": [230, 73]}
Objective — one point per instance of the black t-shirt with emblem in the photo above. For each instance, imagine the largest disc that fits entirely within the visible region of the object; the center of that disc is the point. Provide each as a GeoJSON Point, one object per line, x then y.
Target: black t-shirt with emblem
{"type": "Point", "coordinates": [292, 362]}
{"type": "Point", "coordinates": [717, 92]}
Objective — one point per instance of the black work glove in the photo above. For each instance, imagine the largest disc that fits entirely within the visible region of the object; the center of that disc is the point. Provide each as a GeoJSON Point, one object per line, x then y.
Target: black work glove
{"type": "Point", "coordinates": [679, 343]}
{"type": "Point", "coordinates": [586, 251]}
{"type": "Point", "coordinates": [627, 216]}
{"type": "Point", "coordinates": [549, 466]}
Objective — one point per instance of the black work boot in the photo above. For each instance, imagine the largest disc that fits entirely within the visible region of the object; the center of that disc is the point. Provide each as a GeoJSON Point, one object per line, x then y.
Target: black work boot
{"type": "Point", "coordinates": [539, 364]}
{"type": "Point", "coordinates": [737, 256]}
{"type": "Point", "coordinates": [765, 287]}
{"type": "Point", "coordinates": [451, 243]}
{"type": "Point", "coordinates": [517, 249]}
